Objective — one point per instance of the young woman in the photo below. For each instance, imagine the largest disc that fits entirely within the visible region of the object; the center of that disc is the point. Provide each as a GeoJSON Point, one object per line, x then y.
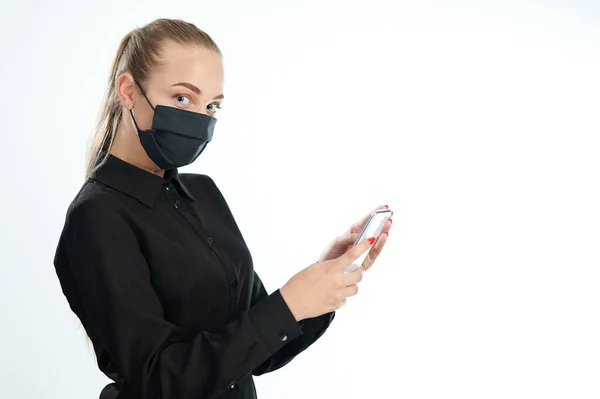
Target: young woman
{"type": "Point", "coordinates": [152, 261]}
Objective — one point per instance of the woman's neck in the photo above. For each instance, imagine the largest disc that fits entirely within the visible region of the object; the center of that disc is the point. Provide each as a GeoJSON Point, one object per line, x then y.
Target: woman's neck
{"type": "Point", "coordinates": [127, 146]}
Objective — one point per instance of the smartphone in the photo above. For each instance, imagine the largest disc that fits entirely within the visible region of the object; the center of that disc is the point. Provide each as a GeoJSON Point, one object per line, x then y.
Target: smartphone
{"type": "Point", "coordinates": [372, 228]}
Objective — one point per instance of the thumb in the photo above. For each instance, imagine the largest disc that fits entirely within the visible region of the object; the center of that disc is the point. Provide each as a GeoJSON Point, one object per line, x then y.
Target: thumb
{"type": "Point", "coordinates": [355, 252]}
{"type": "Point", "coordinates": [346, 240]}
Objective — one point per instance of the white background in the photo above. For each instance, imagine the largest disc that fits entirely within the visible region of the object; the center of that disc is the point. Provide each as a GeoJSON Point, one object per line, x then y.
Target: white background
{"type": "Point", "coordinates": [477, 122]}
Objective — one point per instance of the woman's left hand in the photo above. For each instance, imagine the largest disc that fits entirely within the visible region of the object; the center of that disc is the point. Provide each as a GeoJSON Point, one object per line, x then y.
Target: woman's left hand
{"type": "Point", "coordinates": [341, 244]}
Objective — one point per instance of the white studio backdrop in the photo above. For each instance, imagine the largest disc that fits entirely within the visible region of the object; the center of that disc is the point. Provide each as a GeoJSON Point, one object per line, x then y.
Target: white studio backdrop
{"type": "Point", "coordinates": [477, 122]}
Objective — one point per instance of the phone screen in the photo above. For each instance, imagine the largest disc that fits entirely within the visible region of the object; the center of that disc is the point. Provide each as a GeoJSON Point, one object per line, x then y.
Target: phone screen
{"type": "Point", "coordinates": [372, 228]}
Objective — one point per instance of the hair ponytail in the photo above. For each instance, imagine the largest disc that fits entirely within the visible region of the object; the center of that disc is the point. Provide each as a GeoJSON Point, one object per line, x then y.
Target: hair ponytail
{"type": "Point", "coordinates": [109, 117]}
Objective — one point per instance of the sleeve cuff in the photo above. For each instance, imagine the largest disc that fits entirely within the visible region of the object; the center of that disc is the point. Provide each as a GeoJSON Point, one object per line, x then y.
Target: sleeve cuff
{"type": "Point", "coordinates": [274, 322]}
{"type": "Point", "coordinates": [316, 326]}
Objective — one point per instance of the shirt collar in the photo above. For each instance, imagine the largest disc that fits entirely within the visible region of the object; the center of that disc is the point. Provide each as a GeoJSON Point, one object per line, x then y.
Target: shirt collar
{"type": "Point", "coordinates": [136, 182]}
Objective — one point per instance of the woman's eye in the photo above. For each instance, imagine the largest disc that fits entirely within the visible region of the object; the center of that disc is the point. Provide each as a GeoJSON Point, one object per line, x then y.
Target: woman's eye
{"type": "Point", "coordinates": [182, 99]}
{"type": "Point", "coordinates": [213, 107]}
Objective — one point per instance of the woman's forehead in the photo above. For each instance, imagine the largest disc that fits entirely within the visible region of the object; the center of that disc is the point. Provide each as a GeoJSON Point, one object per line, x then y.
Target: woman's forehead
{"type": "Point", "coordinates": [194, 64]}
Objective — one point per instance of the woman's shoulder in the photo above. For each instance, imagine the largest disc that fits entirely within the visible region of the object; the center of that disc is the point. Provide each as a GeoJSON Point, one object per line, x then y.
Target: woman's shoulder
{"type": "Point", "coordinates": [203, 186]}
{"type": "Point", "coordinates": [93, 201]}
{"type": "Point", "coordinates": [196, 179]}
{"type": "Point", "coordinates": [197, 182]}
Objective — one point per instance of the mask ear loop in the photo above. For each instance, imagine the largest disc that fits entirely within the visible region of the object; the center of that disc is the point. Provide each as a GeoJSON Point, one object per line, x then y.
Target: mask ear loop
{"type": "Point", "coordinates": [149, 103]}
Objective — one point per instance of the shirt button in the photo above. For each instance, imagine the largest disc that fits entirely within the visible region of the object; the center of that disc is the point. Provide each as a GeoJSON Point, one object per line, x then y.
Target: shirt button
{"type": "Point", "coordinates": [233, 387]}
{"type": "Point", "coordinates": [210, 240]}
{"type": "Point", "coordinates": [234, 283]}
{"type": "Point", "coordinates": [168, 187]}
{"type": "Point", "coordinates": [283, 337]}
{"type": "Point", "coordinates": [176, 204]}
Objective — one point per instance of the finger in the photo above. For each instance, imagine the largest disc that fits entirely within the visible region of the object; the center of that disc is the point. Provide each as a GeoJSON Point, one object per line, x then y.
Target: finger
{"type": "Point", "coordinates": [384, 232]}
{"type": "Point", "coordinates": [354, 277]}
{"type": "Point", "coordinates": [346, 240]}
{"type": "Point", "coordinates": [379, 244]}
{"type": "Point", "coordinates": [375, 251]}
{"type": "Point", "coordinates": [387, 226]}
{"type": "Point", "coordinates": [355, 252]}
{"type": "Point", "coordinates": [350, 291]}
{"type": "Point", "coordinates": [358, 226]}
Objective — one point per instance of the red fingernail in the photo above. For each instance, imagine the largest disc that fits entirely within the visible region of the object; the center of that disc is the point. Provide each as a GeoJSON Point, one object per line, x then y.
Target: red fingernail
{"type": "Point", "coordinates": [391, 220]}
{"type": "Point", "coordinates": [386, 207]}
{"type": "Point", "coordinates": [371, 240]}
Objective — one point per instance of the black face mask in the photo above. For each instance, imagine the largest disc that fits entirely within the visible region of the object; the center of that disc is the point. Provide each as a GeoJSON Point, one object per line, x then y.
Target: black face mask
{"type": "Point", "coordinates": [177, 136]}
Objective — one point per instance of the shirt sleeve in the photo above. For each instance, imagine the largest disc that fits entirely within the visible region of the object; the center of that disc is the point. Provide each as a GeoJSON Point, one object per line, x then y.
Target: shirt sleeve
{"type": "Point", "coordinates": [122, 313]}
{"type": "Point", "coordinates": [313, 329]}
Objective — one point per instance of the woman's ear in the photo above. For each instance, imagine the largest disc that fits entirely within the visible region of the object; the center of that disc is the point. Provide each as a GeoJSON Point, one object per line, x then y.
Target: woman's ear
{"type": "Point", "coordinates": [126, 90]}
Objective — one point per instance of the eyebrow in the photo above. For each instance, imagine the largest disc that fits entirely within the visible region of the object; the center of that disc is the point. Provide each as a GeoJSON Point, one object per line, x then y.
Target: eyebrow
{"type": "Point", "coordinates": [196, 90]}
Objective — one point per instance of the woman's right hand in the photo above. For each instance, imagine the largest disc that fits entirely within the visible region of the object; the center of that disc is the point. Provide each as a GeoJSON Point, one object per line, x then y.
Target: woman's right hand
{"type": "Point", "coordinates": [323, 287]}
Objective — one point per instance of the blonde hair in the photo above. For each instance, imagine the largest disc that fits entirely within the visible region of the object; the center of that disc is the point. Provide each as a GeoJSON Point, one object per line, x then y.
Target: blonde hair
{"type": "Point", "coordinates": [138, 54]}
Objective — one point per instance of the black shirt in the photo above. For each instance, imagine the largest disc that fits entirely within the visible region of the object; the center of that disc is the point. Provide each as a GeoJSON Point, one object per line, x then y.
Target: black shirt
{"type": "Point", "coordinates": [159, 274]}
